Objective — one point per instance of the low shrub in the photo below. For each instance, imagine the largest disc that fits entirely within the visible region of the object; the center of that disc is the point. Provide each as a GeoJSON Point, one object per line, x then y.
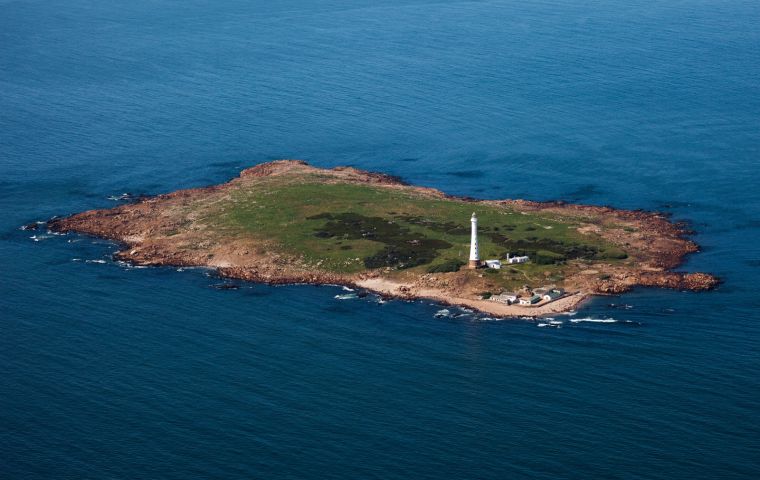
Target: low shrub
{"type": "Point", "coordinates": [447, 266]}
{"type": "Point", "coordinates": [546, 257]}
{"type": "Point", "coordinates": [612, 253]}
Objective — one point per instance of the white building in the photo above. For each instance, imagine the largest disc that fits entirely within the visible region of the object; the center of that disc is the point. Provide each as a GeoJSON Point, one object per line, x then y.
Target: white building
{"type": "Point", "coordinates": [516, 259]}
{"type": "Point", "coordinates": [530, 301]}
{"type": "Point", "coordinates": [474, 254]}
{"type": "Point", "coordinates": [507, 298]}
{"type": "Point", "coordinates": [495, 264]}
{"type": "Point", "coordinates": [553, 294]}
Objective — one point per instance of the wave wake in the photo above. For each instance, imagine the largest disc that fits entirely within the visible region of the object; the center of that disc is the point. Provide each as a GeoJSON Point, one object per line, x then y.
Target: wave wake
{"type": "Point", "coordinates": [346, 296]}
{"type": "Point", "coordinates": [601, 320]}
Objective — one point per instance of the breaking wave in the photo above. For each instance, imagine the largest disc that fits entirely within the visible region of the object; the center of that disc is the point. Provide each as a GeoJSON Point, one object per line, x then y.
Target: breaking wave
{"type": "Point", "coordinates": [128, 265]}
{"type": "Point", "coordinates": [593, 320]}
{"type": "Point", "coordinates": [550, 322]}
{"type": "Point", "coordinates": [346, 296]}
{"type": "Point", "coordinates": [123, 196]}
{"type": "Point", "coordinates": [601, 320]}
{"type": "Point", "coordinates": [38, 238]}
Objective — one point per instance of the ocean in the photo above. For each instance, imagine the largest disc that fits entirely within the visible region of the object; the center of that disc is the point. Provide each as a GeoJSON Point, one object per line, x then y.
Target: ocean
{"type": "Point", "coordinates": [111, 371]}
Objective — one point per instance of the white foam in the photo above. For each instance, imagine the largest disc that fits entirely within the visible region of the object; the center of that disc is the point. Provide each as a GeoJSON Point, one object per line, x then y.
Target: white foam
{"type": "Point", "coordinates": [128, 265]}
{"type": "Point", "coordinates": [594, 320]}
{"type": "Point", "coordinates": [95, 261]}
{"type": "Point", "coordinates": [123, 196]}
{"type": "Point", "coordinates": [347, 296]}
{"type": "Point", "coordinates": [442, 313]}
{"type": "Point", "coordinates": [549, 324]}
{"type": "Point", "coordinates": [347, 289]}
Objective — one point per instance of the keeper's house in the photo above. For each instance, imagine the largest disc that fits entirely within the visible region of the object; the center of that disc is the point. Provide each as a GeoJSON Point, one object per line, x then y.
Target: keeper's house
{"type": "Point", "coordinates": [508, 298]}
{"type": "Point", "coordinates": [530, 301]}
{"type": "Point", "coordinates": [553, 294]}
{"type": "Point", "coordinates": [512, 260]}
{"type": "Point", "coordinates": [495, 264]}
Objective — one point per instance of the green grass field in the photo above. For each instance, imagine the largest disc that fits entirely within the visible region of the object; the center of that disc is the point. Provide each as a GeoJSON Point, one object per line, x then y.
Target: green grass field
{"type": "Point", "coordinates": [348, 227]}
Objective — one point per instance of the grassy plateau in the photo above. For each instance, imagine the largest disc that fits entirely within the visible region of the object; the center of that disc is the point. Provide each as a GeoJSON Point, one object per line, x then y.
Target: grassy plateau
{"type": "Point", "coordinates": [288, 222]}
{"type": "Point", "coordinates": [350, 228]}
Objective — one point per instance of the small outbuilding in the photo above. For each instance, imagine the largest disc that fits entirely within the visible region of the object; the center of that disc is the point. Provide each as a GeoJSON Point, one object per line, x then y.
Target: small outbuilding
{"type": "Point", "coordinates": [516, 259]}
{"type": "Point", "coordinates": [553, 294]}
{"type": "Point", "coordinates": [495, 264]}
{"type": "Point", "coordinates": [530, 301]}
{"type": "Point", "coordinates": [508, 298]}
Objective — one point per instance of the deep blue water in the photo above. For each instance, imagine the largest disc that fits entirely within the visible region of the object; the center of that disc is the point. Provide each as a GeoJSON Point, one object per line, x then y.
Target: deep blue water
{"type": "Point", "coordinates": [115, 372]}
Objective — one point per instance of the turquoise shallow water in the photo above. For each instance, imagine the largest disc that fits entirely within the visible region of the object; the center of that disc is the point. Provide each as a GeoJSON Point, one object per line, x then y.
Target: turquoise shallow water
{"type": "Point", "coordinates": [116, 372]}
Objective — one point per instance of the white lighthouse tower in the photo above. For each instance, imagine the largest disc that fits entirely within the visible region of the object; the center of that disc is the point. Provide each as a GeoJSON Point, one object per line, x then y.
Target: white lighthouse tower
{"type": "Point", "coordinates": [474, 254]}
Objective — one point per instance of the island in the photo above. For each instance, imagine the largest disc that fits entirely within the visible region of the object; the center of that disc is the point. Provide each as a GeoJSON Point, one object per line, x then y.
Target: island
{"type": "Point", "coordinates": [286, 222]}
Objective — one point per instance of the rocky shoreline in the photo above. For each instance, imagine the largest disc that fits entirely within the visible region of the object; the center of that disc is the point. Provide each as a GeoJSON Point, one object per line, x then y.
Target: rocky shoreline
{"type": "Point", "coordinates": [146, 229]}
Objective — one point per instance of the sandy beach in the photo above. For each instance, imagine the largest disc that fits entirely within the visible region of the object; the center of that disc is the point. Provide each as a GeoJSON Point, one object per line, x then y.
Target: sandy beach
{"type": "Point", "coordinates": [401, 290]}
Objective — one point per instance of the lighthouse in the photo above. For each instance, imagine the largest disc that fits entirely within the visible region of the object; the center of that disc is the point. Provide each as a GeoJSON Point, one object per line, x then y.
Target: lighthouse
{"type": "Point", "coordinates": [474, 255]}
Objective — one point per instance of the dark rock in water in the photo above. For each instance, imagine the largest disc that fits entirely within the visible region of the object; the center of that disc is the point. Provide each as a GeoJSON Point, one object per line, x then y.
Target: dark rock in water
{"type": "Point", "coordinates": [362, 293]}
{"type": "Point", "coordinates": [225, 286]}
{"type": "Point", "coordinates": [30, 226]}
{"type": "Point", "coordinates": [129, 197]}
